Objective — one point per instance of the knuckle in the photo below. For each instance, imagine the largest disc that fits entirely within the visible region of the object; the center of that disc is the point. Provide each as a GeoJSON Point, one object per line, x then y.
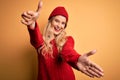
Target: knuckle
{"type": "Point", "coordinates": [23, 14]}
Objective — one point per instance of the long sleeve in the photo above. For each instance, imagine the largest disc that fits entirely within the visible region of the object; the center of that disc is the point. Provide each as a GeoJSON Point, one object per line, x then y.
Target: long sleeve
{"type": "Point", "coordinates": [36, 38]}
{"type": "Point", "coordinates": [69, 54]}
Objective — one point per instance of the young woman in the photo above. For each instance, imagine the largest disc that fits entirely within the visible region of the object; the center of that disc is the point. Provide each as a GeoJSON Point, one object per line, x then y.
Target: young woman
{"type": "Point", "coordinates": [56, 54]}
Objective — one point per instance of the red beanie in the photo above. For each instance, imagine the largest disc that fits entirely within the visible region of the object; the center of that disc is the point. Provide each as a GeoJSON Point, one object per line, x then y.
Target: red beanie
{"type": "Point", "coordinates": [59, 11]}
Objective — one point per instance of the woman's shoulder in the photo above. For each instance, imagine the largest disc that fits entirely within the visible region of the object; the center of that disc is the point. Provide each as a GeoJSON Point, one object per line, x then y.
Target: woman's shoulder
{"type": "Point", "coordinates": [69, 42]}
{"type": "Point", "coordinates": [70, 39]}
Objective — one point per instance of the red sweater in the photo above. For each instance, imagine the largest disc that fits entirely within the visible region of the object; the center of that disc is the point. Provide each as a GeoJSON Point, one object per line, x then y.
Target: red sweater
{"type": "Point", "coordinates": [59, 67]}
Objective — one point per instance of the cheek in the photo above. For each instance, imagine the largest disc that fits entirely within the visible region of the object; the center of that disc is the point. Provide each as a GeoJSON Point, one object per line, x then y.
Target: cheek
{"type": "Point", "coordinates": [62, 29]}
{"type": "Point", "coordinates": [53, 24]}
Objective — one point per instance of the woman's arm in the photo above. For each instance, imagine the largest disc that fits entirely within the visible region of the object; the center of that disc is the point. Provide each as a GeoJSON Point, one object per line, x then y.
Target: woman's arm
{"type": "Point", "coordinates": [80, 62]}
{"type": "Point", "coordinates": [36, 38]}
{"type": "Point", "coordinates": [69, 54]}
{"type": "Point", "coordinates": [29, 19]}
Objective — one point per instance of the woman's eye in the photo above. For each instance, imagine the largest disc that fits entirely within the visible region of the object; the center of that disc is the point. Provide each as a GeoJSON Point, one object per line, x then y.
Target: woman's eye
{"type": "Point", "coordinates": [56, 20]}
{"type": "Point", "coordinates": [63, 23]}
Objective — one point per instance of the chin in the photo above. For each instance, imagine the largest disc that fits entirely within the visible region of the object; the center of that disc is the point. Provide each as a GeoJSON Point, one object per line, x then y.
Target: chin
{"type": "Point", "coordinates": [56, 34]}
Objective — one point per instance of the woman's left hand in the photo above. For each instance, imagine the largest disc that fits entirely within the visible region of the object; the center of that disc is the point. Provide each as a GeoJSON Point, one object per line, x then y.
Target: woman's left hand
{"type": "Point", "coordinates": [89, 68]}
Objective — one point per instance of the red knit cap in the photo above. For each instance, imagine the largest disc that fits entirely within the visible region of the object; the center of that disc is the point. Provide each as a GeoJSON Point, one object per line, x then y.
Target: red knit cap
{"type": "Point", "coordinates": [59, 11]}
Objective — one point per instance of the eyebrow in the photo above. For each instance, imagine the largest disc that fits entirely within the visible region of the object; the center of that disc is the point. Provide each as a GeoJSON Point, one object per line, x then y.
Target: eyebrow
{"type": "Point", "coordinates": [59, 20]}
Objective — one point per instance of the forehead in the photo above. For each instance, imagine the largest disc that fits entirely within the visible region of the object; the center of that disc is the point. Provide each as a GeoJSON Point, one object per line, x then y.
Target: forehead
{"type": "Point", "coordinates": [61, 18]}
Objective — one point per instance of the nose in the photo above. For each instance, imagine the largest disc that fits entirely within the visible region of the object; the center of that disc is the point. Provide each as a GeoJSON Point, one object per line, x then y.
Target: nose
{"type": "Point", "coordinates": [60, 25]}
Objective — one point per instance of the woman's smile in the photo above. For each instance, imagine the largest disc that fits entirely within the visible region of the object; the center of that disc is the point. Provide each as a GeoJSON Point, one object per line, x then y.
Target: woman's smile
{"type": "Point", "coordinates": [57, 29]}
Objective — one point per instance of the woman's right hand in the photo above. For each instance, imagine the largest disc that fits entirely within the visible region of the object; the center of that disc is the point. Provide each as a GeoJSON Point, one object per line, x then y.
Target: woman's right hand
{"type": "Point", "coordinates": [29, 17]}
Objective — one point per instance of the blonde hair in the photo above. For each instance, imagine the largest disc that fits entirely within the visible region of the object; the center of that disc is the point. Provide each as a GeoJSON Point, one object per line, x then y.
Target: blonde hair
{"type": "Point", "coordinates": [48, 36]}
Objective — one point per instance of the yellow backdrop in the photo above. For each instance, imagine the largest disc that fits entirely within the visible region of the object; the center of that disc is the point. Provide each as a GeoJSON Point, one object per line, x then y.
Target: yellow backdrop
{"type": "Point", "coordinates": [94, 24]}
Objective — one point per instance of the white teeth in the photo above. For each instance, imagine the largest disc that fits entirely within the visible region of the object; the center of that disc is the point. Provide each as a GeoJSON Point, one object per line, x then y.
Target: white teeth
{"type": "Point", "coordinates": [57, 28]}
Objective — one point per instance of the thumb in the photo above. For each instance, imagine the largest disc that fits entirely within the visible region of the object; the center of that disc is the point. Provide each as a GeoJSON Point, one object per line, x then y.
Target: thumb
{"type": "Point", "coordinates": [90, 53]}
{"type": "Point", "coordinates": [39, 6]}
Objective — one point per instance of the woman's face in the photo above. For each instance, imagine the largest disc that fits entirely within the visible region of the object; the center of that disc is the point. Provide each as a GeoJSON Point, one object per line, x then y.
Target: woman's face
{"type": "Point", "coordinates": [58, 24]}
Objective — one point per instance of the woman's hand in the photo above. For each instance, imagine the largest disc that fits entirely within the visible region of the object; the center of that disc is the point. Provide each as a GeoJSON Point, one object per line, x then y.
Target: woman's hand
{"type": "Point", "coordinates": [89, 68]}
{"type": "Point", "coordinates": [29, 17]}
